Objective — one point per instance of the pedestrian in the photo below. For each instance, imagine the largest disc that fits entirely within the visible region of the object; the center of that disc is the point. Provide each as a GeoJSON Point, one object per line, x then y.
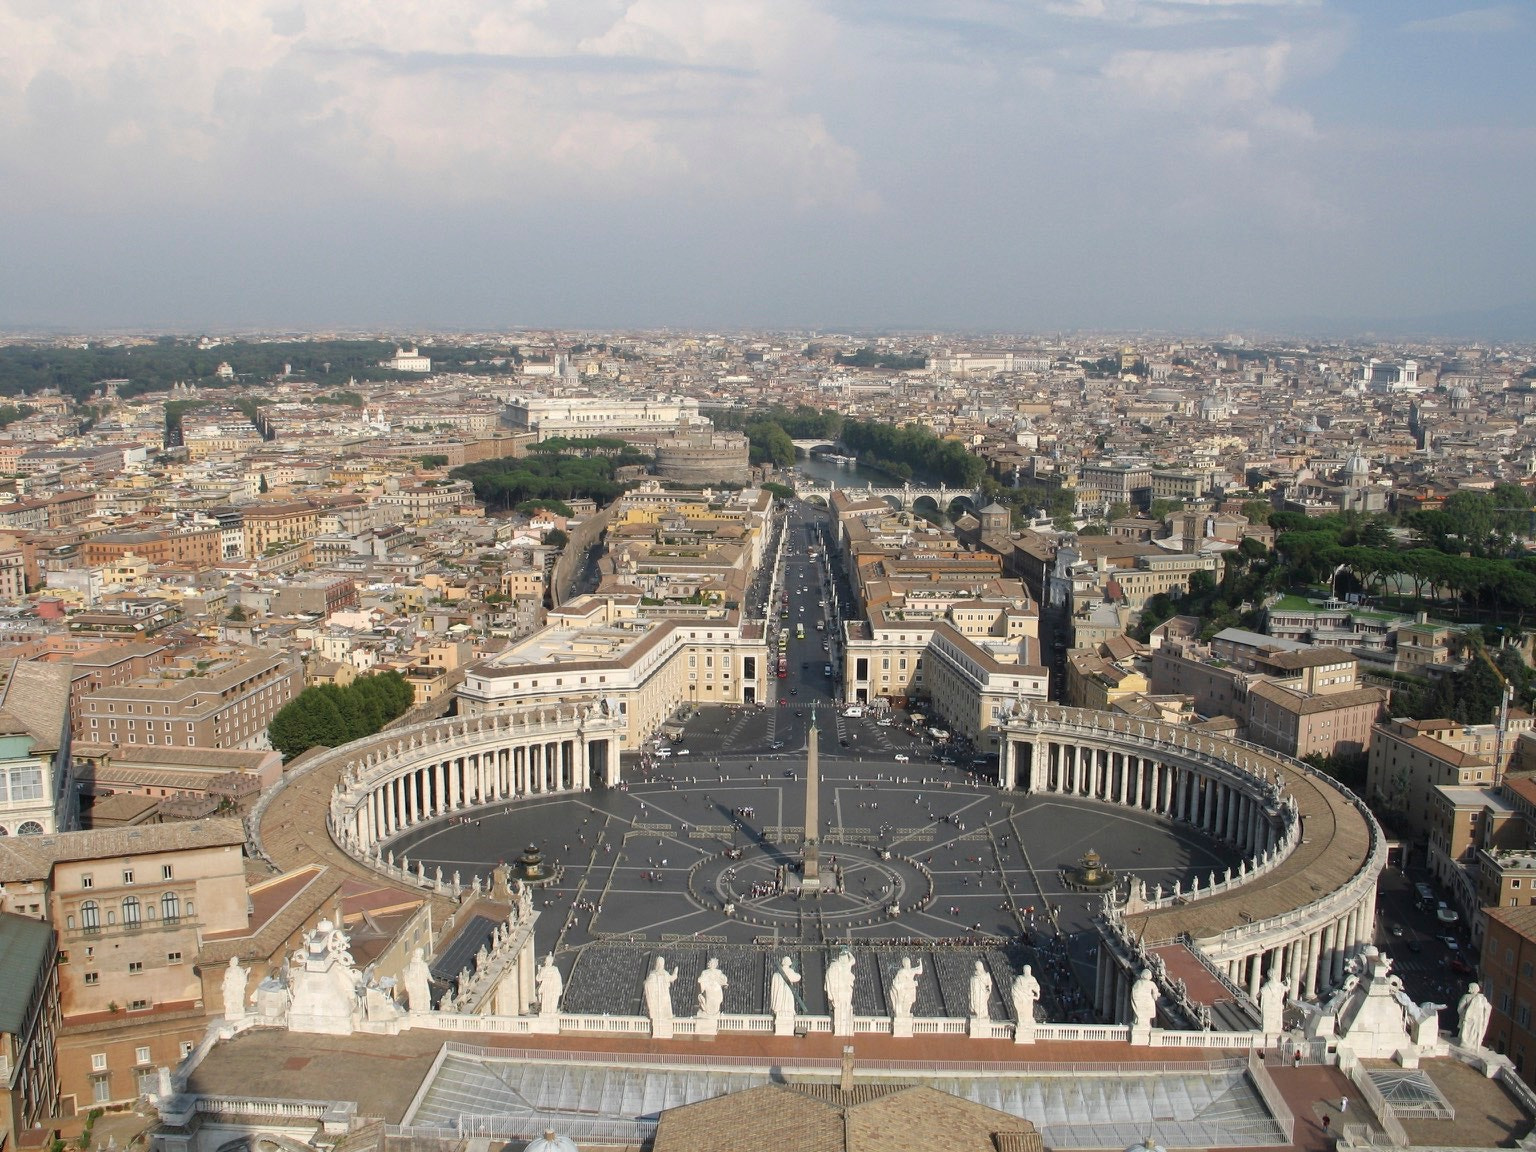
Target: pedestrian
{"type": "Point", "coordinates": [1343, 1105]}
{"type": "Point", "coordinates": [1296, 1058]}
{"type": "Point", "coordinates": [1327, 1122]}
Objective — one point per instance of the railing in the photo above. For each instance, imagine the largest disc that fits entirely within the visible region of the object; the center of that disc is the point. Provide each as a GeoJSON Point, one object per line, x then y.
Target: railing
{"type": "Point", "coordinates": [1172, 1038]}
{"type": "Point", "coordinates": [1120, 1032]}
{"type": "Point", "coordinates": [261, 1106]}
{"type": "Point", "coordinates": [1273, 1100]}
{"type": "Point", "coordinates": [833, 1064]}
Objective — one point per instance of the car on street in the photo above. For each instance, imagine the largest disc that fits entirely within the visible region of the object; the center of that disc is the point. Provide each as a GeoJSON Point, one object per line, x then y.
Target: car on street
{"type": "Point", "coordinates": [783, 700]}
{"type": "Point", "coordinates": [1461, 966]}
{"type": "Point", "coordinates": [903, 758]}
{"type": "Point", "coordinates": [1451, 943]}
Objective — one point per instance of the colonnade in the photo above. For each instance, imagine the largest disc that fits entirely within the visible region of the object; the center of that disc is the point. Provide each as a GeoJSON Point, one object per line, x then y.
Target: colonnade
{"type": "Point", "coordinates": [453, 784]}
{"type": "Point", "coordinates": [1226, 803]}
{"type": "Point", "coordinates": [448, 767]}
{"type": "Point", "coordinates": [1235, 793]}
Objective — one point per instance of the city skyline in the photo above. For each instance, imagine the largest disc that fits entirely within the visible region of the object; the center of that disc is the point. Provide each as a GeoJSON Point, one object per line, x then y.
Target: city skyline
{"type": "Point", "coordinates": [1280, 166]}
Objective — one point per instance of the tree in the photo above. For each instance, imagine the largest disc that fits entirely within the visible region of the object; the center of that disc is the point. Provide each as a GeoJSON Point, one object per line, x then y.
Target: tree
{"type": "Point", "coordinates": [1257, 511]}
{"type": "Point", "coordinates": [556, 538]}
{"type": "Point", "coordinates": [1119, 510]}
{"type": "Point", "coordinates": [262, 486]}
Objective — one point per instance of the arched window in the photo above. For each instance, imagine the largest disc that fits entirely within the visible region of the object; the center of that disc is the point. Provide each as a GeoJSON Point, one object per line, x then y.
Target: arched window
{"type": "Point", "coordinates": [90, 916]}
{"type": "Point", "coordinates": [4, 831]}
{"type": "Point", "coordinates": [30, 828]}
{"type": "Point", "coordinates": [131, 911]}
{"type": "Point", "coordinates": [170, 906]}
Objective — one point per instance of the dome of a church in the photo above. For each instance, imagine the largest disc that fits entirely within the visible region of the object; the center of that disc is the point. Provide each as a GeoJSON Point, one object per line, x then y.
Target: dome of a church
{"type": "Point", "coordinates": [551, 1142]}
{"type": "Point", "coordinates": [1147, 1145]}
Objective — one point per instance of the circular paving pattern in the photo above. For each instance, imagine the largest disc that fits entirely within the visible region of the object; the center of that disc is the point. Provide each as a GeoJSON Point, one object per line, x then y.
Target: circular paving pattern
{"type": "Point", "coordinates": [760, 886]}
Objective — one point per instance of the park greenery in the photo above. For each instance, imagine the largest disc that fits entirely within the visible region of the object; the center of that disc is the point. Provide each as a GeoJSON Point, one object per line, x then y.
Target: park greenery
{"type": "Point", "coordinates": [882, 358]}
{"type": "Point", "coordinates": [153, 367]}
{"type": "Point", "coordinates": [509, 481]}
{"type": "Point", "coordinates": [327, 715]}
{"type": "Point", "coordinates": [10, 413]}
{"type": "Point", "coordinates": [912, 450]}
{"type": "Point", "coordinates": [1463, 561]}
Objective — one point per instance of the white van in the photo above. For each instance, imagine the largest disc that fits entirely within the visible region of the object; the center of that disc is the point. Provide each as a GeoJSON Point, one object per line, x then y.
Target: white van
{"type": "Point", "coordinates": [854, 710]}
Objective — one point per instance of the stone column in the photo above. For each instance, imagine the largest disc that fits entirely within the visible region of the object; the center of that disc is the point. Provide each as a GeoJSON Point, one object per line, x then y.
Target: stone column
{"type": "Point", "coordinates": [1314, 957]}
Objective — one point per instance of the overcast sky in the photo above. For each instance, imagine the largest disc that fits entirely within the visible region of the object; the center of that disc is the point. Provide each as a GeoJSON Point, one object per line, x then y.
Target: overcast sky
{"type": "Point", "coordinates": [1014, 164]}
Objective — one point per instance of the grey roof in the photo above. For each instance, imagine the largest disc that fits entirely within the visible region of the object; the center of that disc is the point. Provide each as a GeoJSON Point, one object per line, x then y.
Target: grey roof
{"type": "Point", "coordinates": [25, 946]}
{"type": "Point", "coordinates": [33, 857]}
{"type": "Point", "coordinates": [34, 698]}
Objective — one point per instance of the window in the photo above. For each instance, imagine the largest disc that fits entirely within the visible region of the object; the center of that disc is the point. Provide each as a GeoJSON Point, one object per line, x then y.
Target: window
{"type": "Point", "coordinates": [135, 967]}
{"type": "Point", "coordinates": [127, 875]}
{"type": "Point", "coordinates": [173, 957]}
{"type": "Point", "coordinates": [185, 1048]}
{"type": "Point", "coordinates": [165, 872]}
{"type": "Point", "coordinates": [90, 916]}
{"type": "Point", "coordinates": [137, 1005]}
{"type": "Point", "coordinates": [141, 1055]}
{"type": "Point", "coordinates": [170, 906]}
{"type": "Point", "coordinates": [87, 881]}
{"type": "Point", "coordinates": [93, 977]}
{"type": "Point", "coordinates": [98, 1061]}
{"type": "Point", "coordinates": [101, 1089]}
{"type": "Point", "coordinates": [131, 911]}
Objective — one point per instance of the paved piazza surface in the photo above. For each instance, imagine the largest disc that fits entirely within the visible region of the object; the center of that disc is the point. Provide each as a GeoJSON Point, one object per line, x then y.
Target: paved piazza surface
{"type": "Point", "coordinates": [647, 869]}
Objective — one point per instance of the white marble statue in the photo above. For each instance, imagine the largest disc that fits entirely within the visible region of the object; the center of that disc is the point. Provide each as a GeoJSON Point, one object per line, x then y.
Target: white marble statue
{"type": "Point", "coordinates": [904, 988]}
{"type": "Point", "coordinates": [1472, 1012]}
{"type": "Point", "coordinates": [234, 990]}
{"type": "Point", "coordinates": [781, 997]}
{"type": "Point", "coordinates": [1025, 994]}
{"type": "Point", "coordinates": [550, 984]}
{"type": "Point", "coordinates": [840, 993]}
{"type": "Point", "coordinates": [712, 986]}
{"type": "Point", "coordinates": [658, 994]}
{"type": "Point", "coordinates": [417, 979]}
{"type": "Point", "coordinates": [981, 992]}
{"type": "Point", "coordinates": [1272, 1004]}
{"type": "Point", "coordinates": [1143, 1002]}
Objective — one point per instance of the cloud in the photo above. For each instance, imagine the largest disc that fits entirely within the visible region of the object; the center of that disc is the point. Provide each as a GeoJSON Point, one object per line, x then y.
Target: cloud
{"type": "Point", "coordinates": [450, 99]}
{"type": "Point", "coordinates": [1471, 20]}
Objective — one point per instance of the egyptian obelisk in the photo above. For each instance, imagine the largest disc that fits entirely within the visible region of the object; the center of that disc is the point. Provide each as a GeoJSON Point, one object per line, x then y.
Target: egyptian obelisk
{"type": "Point", "coordinates": [810, 867]}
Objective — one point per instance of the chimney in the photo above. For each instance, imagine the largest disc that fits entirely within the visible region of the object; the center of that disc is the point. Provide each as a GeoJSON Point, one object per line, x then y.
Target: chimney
{"type": "Point", "coordinates": [847, 1083]}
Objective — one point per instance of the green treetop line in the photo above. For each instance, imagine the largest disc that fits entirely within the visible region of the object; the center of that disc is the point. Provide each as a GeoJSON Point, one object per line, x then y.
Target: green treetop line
{"type": "Point", "coordinates": [329, 716]}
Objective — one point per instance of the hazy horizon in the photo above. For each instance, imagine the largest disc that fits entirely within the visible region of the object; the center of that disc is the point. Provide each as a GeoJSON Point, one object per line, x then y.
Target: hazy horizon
{"type": "Point", "coordinates": [1303, 167]}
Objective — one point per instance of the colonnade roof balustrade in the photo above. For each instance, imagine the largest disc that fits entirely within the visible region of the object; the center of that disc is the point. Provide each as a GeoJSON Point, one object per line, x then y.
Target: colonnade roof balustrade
{"type": "Point", "coordinates": [1340, 846]}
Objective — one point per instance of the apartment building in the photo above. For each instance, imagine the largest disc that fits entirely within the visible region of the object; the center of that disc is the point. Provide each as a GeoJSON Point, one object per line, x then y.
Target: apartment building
{"type": "Point", "coordinates": [37, 794]}
{"type": "Point", "coordinates": [1509, 981]}
{"type": "Point", "coordinates": [29, 1027]}
{"type": "Point", "coordinates": [132, 908]}
{"type": "Point", "coordinates": [612, 652]}
{"type": "Point", "coordinates": [225, 705]}
{"type": "Point", "coordinates": [1410, 758]}
{"type": "Point", "coordinates": [264, 525]}
{"type": "Point", "coordinates": [197, 546]}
